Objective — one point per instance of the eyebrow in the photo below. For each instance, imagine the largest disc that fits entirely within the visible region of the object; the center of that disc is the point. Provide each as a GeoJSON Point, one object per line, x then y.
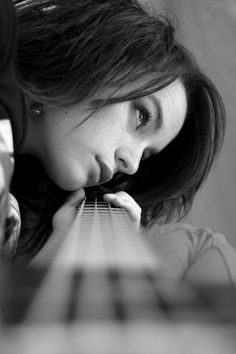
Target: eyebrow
{"type": "Point", "coordinates": [158, 111]}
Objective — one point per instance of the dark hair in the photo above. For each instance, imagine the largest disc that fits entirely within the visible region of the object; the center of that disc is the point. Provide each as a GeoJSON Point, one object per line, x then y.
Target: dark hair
{"type": "Point", "coordinates": [70, 50]}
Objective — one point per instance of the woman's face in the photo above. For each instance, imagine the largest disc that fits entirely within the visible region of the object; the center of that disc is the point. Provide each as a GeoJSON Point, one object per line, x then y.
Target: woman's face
{"type": "Point", "coordinates": [78, 153]}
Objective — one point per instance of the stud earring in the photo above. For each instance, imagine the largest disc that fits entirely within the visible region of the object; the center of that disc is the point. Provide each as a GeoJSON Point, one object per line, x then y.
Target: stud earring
{"type": "Point", "coordinates": [37, 109]}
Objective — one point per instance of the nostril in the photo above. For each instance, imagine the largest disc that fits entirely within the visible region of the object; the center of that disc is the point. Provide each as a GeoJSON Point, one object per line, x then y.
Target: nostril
{"type": "Point", "coordinates": [123, 163]}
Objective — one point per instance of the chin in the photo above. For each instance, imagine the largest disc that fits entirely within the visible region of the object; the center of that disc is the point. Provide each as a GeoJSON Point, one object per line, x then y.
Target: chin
{"type": "Point", "coordinates": [68, 185]}
{"type": "Point", "coordinates": [67, 179]}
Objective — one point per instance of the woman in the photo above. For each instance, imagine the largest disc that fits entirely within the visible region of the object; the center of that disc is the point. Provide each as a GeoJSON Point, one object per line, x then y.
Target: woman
{"type": "Point", "coordinates": [113, 104]}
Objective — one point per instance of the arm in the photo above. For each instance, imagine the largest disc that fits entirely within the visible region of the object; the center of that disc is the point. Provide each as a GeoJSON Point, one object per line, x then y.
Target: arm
{"type": "Point", "coordinates": [210, 268]}
{"type": "Point", "coordinates": [194, 254]}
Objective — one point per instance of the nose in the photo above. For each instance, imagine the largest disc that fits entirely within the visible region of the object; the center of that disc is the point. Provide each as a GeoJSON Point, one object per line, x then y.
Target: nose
{"type": "Point", "coordinates": [128, 159]}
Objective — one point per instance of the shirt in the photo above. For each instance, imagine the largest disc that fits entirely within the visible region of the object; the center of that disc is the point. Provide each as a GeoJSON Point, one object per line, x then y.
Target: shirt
{"type": "Point", "coordinates": [194, 253]}
{"type": "Point", "coordinates": [11, 129]}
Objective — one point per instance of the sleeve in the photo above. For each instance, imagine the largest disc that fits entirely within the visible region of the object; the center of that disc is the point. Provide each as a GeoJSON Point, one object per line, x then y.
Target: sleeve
{"type": "Point", "coordinates": [214, 261]}
{"type": "Point", "coordinates": [9, 211]}
{"type": "Point", "coordinates": [193, 253]}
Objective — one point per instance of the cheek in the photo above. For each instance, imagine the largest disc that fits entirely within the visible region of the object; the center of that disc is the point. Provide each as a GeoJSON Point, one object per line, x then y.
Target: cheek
{"type": "Point", "coordinates": [66, 172]}
{"type": "Point", "coordinates": [174, 128]}
{"type": "Point", "coordinates": [101, 135]}
{"type": "Point", "coordinates": [167, 136]}
{"type": "Point", "coordinates": [58, 158]}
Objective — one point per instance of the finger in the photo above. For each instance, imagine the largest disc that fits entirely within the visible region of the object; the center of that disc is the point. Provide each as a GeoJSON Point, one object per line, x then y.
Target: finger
{"type": "Point", "coordinates": [70, 206]}
{"type": "Point", "coordinates": [74, 201]}
{"type": "Point", "coordinates": [133, 212]}
{"type": "Point", "coordinates": [75, 197]}
{"type": "Point", "coordinates": [132, 209]}
{"type": "Point", "coordinates": [111, 198]}
{"type": "Point", "coordinates": [114, 199]}
{"type": "Point", "coordinates": [124, 200]}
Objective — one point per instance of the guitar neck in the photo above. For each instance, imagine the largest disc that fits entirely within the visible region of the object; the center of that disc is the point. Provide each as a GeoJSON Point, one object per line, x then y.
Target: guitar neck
{"type": "Point", "coordinates": [103, 236]}
{"type": "Point", "coordinates": [102, 250]}
{"type": "Point", "coordinates": [103, 294]}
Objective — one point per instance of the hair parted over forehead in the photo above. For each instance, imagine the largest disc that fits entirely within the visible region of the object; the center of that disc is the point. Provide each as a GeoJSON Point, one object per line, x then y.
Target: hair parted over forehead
{"type": "Point", "coordinates": [70, 50]}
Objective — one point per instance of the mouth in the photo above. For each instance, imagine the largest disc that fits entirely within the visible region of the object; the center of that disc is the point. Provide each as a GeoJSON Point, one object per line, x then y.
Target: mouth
{"type": "Point", "coordinates": [106, 173]}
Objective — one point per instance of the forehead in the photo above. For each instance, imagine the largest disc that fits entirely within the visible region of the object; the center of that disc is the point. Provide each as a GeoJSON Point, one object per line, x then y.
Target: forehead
{"type": "Point", "coordinates": [173, 102]}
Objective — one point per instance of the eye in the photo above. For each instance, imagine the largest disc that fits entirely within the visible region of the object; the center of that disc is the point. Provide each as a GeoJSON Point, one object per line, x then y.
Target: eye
{"type": "Point", "coordinates": [147, 154]}
{"type": "Point", "coordinates": [142, 117]}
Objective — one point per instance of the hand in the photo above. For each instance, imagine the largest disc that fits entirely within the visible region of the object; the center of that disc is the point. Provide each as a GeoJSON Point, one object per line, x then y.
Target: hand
{"type": "Point", "coordinates": [124, 200]}
{"type": "Point", "coordinates": [61, 223]}
{"type": "Point", "coordinates": [64, 217]}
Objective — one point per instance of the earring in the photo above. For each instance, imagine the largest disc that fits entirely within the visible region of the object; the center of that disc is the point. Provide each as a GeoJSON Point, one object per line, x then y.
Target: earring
{"type": "Point", "coordinates": [37, 109]}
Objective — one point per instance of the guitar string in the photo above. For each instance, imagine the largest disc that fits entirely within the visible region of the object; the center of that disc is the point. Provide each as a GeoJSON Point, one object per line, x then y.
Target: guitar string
{"type": "Point", "coordinates": [113, 253]}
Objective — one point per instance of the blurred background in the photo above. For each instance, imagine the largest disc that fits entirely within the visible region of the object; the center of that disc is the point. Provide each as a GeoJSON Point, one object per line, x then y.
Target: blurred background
{"type": "Point", "coordinates": [208, 29]}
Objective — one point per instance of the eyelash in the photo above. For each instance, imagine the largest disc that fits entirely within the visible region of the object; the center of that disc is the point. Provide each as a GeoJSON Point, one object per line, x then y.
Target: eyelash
{"type": "Point", "coordinates": [146, 116]}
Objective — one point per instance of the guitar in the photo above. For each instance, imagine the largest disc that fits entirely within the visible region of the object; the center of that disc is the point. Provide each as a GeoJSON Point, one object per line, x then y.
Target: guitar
{"type": "Point", "coordinates": [104, 293]}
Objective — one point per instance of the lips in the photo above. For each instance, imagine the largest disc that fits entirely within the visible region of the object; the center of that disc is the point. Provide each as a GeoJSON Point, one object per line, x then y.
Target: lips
{"type": "Point", "coordinates": [106, 173]}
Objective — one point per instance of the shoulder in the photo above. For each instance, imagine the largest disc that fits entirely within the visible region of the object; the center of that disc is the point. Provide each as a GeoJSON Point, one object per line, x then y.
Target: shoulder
{"type": "Point", "coordinates": [9, 210]}
{"type": "Point", "coordinates": [195, 240]}
{"type": "Point", "coordinates": [188, 248]}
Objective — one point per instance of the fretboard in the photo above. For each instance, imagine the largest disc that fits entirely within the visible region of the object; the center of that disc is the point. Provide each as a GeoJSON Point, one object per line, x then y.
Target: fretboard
{"type": "Point", "coordinates": [103, 294]}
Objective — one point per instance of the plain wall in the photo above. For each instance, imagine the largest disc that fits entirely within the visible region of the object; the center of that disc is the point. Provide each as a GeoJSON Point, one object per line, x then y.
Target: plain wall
{"type": "Point", "coordinates": [208, 29]}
